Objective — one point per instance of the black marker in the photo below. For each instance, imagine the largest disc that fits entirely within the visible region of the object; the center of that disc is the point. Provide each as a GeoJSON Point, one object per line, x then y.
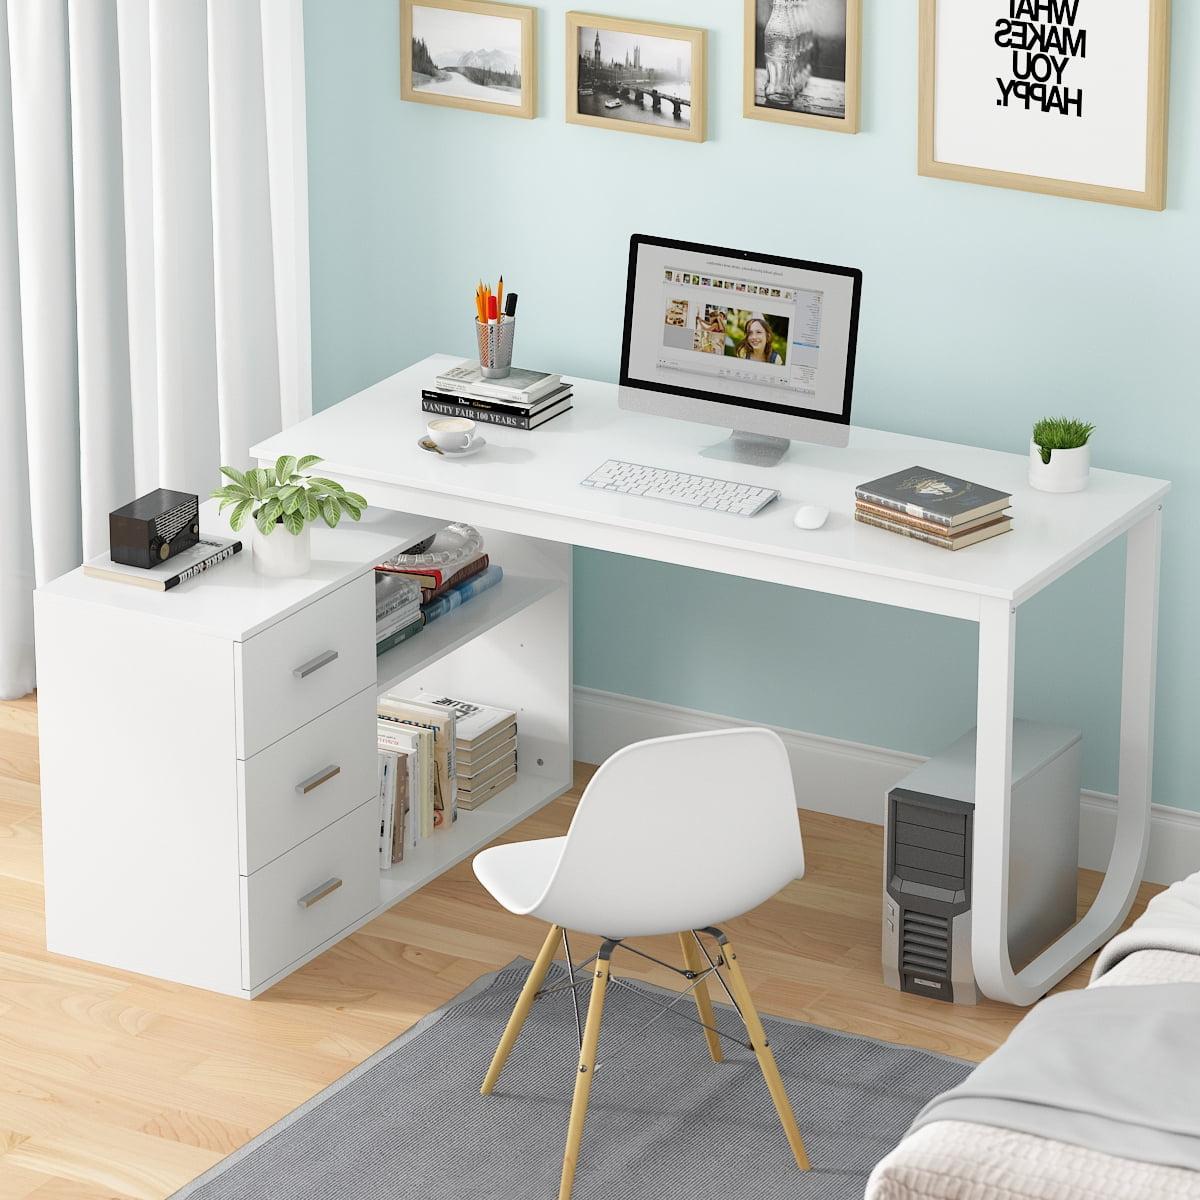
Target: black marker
{"type": "Point", "coordinates": [510, 304]}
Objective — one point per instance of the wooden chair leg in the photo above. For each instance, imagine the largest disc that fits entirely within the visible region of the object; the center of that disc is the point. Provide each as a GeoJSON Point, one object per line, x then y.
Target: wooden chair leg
{"type": "Point", "coordinates": [533, 985]}
{"type": "Point", "coordinates": [583, 1078]}
{"type": "Point", "coordinates": [692, 960]}
{"type": "Point", "coordinates": [766, 1058]}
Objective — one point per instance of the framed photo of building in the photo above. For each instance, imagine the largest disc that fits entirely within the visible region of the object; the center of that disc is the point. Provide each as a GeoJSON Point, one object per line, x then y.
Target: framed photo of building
{"type": "Point", "coordinates": [469, 54]}
{"type": "Point", "coordinates": [636, 76]}
{"type": "Point", "coordinates": [803, 62]}
{"type": "Point", "coordinates": [1066, 97]}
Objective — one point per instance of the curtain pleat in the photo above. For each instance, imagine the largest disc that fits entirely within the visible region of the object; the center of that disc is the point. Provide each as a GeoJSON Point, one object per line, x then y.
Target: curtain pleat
{"type": "Point", "coordinates": [105, 420]}
{"type": "Point", "coordinates": [153, 265]}
{"type": "Point", "coordinates": [16, 534]}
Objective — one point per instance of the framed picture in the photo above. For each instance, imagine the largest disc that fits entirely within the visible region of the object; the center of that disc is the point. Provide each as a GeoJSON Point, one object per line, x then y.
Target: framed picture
{"type": "Point", "coordinates": [469, 54]}
{"type": "Point", "coordinates": [1067, 97]}
{"type": "Point", "coordinates": [803, 62]}
{"type": "Point", "coordinates": [636, 76]}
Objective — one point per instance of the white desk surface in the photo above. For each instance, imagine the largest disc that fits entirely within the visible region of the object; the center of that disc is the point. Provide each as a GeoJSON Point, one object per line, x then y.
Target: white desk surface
{"type": "Point", "coordinates": [232, 600]}
{"type": "Point", "coordinates": [372, 437]}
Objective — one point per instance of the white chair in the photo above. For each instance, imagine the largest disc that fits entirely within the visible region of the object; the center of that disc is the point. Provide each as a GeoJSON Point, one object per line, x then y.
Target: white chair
{"type": "Point", "coordinates": [673, 835]}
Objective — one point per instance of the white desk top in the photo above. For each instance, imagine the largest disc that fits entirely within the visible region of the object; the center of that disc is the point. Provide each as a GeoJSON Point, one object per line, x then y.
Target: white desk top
{"type": "Point", "coordinates": [372, 437]}
{"type": "Point", "coordinates": [232, 600]}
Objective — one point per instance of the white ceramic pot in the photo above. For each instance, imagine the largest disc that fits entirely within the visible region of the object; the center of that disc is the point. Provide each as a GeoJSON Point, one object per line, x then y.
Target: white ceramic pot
{"type": "Point", "coordinates": [1067, 470]}
{"type": "Point", "coordinates": [280, 554]}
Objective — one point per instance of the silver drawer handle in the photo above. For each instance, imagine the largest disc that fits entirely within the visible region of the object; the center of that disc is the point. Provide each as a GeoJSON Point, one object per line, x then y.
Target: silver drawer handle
{"type": "Point", "coordinates": [319, 893]}
{"type": "Point", "coordinates": [315, 664]}
{"type": "Point", "coordinates": [314, 781]}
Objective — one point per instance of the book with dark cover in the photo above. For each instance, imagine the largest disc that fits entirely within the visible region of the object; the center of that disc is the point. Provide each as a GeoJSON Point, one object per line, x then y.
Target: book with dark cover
{"type": "Point", "coordinates": [493, 416]}
{"type": "Point", "coordinates": [947, 540]}
{"type": "Point", "coordinates": [476, 566]}
{"type": "Point", "coordinates": [457, 596]}
{"type": "Point", "coordinates": [401, 635]}
{"type": "Point", "coordinates": [519, 408]}
{"type": "Point", "coordinates": [933, 496]}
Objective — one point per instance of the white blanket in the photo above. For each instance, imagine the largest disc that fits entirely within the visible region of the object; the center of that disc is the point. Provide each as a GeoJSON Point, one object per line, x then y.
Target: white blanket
{"type": "Point", "coordinates": [1171, 922]}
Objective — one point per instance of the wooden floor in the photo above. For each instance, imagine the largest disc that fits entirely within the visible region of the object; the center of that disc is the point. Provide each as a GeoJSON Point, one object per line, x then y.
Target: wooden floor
{"type": "Point", "coordinates": [114, 1085]}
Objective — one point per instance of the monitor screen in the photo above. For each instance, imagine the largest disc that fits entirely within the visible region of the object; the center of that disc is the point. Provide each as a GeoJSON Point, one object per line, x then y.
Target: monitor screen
{"type": "Point", "coordinates": [752, 330]}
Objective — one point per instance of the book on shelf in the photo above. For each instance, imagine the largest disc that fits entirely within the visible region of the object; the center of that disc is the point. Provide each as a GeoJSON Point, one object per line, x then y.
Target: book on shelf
{"type": "Point", "coordinates": [474, 723]}
{"type": "Point", "coordinates": [548, 399]}
{"type": "Point", "coordinates": [415, 745]}
{"type": "Point", "coordinates": [394, 590]}
{"type": "Point", "coordinates": [436, 578]}
{"type": "Point", "coordinates": [472, 759]}
{"type": "Point", "coordinates": [392, 640]}
{"type": "Point", "coordinates": [890, 514]}
{"type": "Point", "coordinates": [455, 597]}
{"type": "Point", "coordinates": [440, 722]}
{"type": "Point", "coordinates": [393, 799]}
{"type": "Point", "coordinates": [947, 539]}
{"type": "Point", "coordinates": [396, 621]}
{"type": "Point", "coordinates": [497, 785]}
{"type": "Point", "coordinates": [519, 383]}
{"type": "Point", "coordinates": [474, 566]}
{"type": "Point", "coordinates": [933, 496]}
{"type": "Point", "coordinates": [162, 577]}
{"type": "Point", "coordinates": [493, 416]}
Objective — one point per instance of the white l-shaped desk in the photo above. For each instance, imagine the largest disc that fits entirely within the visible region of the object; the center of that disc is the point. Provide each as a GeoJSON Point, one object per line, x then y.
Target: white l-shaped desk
{"type": "Point", "coordinates": [528, 485]}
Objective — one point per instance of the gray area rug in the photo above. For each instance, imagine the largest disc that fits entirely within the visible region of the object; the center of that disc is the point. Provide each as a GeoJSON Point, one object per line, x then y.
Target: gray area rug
{"type": "Point", "coordinates": [664, 1120]}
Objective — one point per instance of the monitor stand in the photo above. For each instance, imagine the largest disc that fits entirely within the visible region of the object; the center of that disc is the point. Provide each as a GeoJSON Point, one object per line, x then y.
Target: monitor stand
{"type": "Point", "coordinates": [753, 449]}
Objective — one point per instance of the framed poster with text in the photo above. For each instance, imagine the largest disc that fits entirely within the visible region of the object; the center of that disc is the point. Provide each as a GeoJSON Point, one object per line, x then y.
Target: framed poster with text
{"type": "Point", "coordinates": [1067, 97]}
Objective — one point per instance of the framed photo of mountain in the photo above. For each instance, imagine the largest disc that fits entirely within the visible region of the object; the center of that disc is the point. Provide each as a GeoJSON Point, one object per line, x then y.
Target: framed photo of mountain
{"type": "Point", "coordinates": [1064, 97]}
{"type": "Point", "coordinates": [469, 54]}
{"type": "Point", "coordinates": [636, 76]}
{"type": "Point", "coordinates": [803, 62]}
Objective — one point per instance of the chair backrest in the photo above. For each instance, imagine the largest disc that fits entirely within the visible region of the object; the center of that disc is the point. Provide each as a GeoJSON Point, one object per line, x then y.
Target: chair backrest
{"type": "Point", "coordinates": [678, 833]}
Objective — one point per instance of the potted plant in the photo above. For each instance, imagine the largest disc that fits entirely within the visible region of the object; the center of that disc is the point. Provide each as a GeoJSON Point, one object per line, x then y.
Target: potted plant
{"type": "Point", "coordinates": [1059, 456]}
{"type": "Point", "coordinates": [283, 501]}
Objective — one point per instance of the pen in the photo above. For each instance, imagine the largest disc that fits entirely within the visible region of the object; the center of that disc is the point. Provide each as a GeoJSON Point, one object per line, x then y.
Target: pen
{"type": "Point", "coordinates": [510, 305]}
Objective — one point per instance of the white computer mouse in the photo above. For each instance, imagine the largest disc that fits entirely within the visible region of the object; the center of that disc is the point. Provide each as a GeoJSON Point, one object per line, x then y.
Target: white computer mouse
{"type": "Point", "coordinates": [810, 516]}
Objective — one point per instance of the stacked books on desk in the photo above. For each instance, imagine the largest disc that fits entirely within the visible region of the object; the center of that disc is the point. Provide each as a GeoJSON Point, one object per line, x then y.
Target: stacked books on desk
{"type": "Point", "coordinates": [410, 594]}
{"type": "Point", "coordinates": [521, 400]}
{"type": "Point", "coordinates": [932, 507]}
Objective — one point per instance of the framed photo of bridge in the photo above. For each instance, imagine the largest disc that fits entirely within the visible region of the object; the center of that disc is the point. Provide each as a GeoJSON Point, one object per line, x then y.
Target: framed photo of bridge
{"type": "Point", "coordinates": [803, 62]}
{"type": "Point", "coordinates": [469, 54]}
{"type": "Point", "coordinates": [636, 76]}
{"type": "Point", "coordinates": [1064, 97]}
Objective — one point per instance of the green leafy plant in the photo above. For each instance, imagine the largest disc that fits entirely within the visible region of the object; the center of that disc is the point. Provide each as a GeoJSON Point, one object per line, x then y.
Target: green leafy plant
{"type": "Point", "coordinates": [1061, 433]}
{"type": "Point", "coordinates": [283, 495]}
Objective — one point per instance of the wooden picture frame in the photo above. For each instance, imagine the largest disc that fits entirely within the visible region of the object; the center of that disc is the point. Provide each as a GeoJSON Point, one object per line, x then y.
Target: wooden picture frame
{"type": "Point", "coordinates": [1134, 176]}
{"type": "Point", "coordinates": [456, 88]}
{"type": "Point", "coordinates": [817, 107]}
{"type": "Point", "coordinates": [614, 84]}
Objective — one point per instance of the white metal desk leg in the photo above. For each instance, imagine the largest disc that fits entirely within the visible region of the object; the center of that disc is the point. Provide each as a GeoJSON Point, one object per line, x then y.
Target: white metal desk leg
{"type": "Point", "coordinates": [993, 785]}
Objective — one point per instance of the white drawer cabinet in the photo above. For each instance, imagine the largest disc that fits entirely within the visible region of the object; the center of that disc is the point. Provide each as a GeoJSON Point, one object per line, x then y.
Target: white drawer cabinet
{"type": "Point", "coordinates": [208, 762]}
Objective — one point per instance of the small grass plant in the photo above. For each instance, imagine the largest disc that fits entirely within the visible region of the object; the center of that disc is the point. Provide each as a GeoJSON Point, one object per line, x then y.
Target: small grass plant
{"type": "Point", "coordinates": [284, 495]}
{"type": "Point", "coordinates": [1060, 433]}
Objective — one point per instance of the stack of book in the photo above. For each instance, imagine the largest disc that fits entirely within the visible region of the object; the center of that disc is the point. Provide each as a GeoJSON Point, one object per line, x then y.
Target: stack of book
{"type": "Point", "coordinates": [485, 748]}
{"type": "Point", "coordinates": [521, 400]}
{"type": "Point", "coordinates": [397, 609]}
{"type": "Point", "coordinates": [421, 737]}
{"type": "Point", "coordinates": [411, 594]}
{"type": "Point", "coordinates": [932, 507]}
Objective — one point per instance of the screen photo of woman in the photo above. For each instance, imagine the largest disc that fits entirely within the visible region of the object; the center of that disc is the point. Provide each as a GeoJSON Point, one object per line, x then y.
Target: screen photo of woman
{"type": "Point", "coordinates": [752, 336]}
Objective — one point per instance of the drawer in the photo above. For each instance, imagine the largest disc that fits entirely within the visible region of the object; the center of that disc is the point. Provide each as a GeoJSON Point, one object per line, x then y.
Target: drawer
{"type": "Point", "coordinates": [311, 893]}
{"type": "Point", "coordinates": [305, 665]}
{"type": "Point", "coordinates": [306, 781]}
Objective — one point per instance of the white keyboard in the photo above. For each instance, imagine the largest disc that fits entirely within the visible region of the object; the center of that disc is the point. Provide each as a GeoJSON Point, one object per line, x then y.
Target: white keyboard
{"type": "Point", "coordinates": [698, 491]}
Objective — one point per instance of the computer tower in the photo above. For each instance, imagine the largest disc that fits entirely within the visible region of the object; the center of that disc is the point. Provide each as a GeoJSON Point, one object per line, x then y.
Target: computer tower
{"type": "Point", "coordinates": [929, 849]}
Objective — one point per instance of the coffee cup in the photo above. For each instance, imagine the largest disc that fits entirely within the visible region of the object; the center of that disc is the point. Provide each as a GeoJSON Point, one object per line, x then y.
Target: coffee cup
{"type": "Point", "coordinates": [451, 433]}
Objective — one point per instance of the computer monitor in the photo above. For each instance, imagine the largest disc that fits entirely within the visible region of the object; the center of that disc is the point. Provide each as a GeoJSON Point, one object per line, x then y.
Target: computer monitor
{"type": "Point", "coordinates": [757, 342]}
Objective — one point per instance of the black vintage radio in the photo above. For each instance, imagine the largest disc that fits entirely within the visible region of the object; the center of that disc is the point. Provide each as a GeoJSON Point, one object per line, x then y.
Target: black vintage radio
{"type": "Point", "coordinates": [152, 528]}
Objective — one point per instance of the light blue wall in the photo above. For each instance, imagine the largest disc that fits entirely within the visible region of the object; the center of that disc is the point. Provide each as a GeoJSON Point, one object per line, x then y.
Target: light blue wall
{"type": "Point", "coordinates": [983, 309]}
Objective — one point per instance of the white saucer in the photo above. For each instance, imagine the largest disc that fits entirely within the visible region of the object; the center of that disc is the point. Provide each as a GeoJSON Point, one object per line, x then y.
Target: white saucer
{"type": "Point", "coordinates": [474, 448]}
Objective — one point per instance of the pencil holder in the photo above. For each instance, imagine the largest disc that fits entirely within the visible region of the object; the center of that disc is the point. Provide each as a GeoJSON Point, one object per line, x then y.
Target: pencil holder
{"type": "Point", "coordinates": [495, 346]}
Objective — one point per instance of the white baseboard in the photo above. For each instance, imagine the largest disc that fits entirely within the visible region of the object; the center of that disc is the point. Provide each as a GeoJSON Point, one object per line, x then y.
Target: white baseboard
{"type": "Point", "coordinates": [849, 779]}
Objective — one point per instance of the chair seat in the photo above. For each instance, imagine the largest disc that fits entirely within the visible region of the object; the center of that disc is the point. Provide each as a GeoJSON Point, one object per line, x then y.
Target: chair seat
{"type": "Point", "coordinates": [517, 874]}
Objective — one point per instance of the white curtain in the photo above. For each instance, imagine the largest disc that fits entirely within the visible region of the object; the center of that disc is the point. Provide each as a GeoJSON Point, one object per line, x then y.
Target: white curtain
{"type": "Point", "coordinates": [153, 265]}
